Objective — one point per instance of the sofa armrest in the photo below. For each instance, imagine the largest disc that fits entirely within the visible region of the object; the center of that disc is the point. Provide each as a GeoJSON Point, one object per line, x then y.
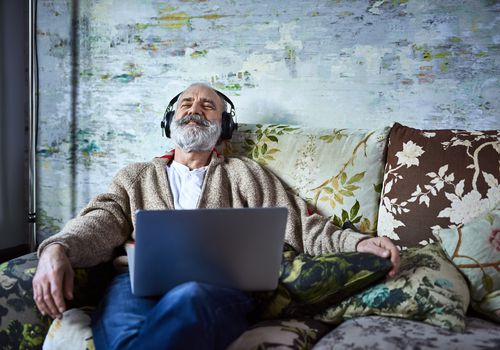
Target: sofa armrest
{"type": "Point", "coordinates": [22, 326]}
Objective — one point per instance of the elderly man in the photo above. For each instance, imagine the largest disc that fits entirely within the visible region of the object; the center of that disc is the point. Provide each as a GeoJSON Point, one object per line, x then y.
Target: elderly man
{"type": "Point", "coordinates": [192, 315]}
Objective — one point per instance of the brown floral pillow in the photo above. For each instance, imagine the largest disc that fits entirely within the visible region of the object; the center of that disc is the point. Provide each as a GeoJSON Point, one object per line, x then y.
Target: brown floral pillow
{"type": "Point", "coordinates": [437, 179]}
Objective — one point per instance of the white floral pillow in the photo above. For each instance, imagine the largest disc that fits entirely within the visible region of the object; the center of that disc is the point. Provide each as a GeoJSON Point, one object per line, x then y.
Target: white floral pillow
{"type": "Point", "coordinates": [435, 179]}
{"type": "Point", "coordinates": [338, 172]}
{"type": "Point", "coordinates": [72, 331]}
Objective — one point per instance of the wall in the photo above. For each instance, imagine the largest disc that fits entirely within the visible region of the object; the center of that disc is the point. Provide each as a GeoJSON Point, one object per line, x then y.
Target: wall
{"type": "Point", "coordinates": [356, 63]}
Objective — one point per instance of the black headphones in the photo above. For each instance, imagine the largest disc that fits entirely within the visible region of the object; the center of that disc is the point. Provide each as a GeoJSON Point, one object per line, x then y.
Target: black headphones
{"type": "Point", "coordinates": [228, 125]}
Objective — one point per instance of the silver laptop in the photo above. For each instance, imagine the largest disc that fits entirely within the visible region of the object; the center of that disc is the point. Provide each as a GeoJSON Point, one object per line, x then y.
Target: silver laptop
{"type": "Point", "coordinates": [239, 248]}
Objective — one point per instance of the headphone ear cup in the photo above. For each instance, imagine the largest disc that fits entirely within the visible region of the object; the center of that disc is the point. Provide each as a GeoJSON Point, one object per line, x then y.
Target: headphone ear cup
{"type": "Point", "coordinates": [227, 126]}
{"type": "Point", "coordinates": [167, 121]}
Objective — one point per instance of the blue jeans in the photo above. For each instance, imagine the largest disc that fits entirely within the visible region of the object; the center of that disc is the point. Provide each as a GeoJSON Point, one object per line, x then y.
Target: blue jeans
{"type": "Point", "coordinates": [190, 316]}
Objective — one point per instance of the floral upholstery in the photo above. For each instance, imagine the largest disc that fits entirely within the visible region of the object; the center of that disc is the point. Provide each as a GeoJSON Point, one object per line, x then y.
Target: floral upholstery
{"type": "Point", "coordinates": [281, 334]}
{"type": "Point", "coordinates": [73, 331]}
{"type": "Point", "coordinates": [21, 325]}
{"type": "Point", "coordinates": [338, 171]}
{"type": "Point", "coordinates": [390, 333]}
{"type": "Point", "coordinates": [427, 288]}
{"type": "Point", "coordinates": [308, 284]}
{"type": "Point", "coordinates": [437, 178]}
{"type": "Point", "coordinates": [475, 249]}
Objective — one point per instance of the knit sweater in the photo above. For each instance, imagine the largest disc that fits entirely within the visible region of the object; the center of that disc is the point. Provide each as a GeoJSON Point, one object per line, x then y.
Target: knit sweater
{"type": "Point", "coordinates": [108, 221]}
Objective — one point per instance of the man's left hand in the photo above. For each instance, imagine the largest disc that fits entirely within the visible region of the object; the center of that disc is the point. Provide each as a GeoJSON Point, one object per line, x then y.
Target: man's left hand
{"type": "Point", "coordinates": [383, 247]}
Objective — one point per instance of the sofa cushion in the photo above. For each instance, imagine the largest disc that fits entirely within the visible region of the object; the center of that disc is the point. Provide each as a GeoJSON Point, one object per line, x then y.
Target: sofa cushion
{"type": "Point", "coordinates": [436, 178]}
{"type": "Point", "coordinates": [308, 284]}
{"type": "Point", "coordinates": [281, 334]}
{"type": "Point", "coordinates": [21, 325]}
{"type": "Point", "coordinates": [389, 333]}
{"type": "Point", "coordinates": [339, 171]}
{"type": "Point", "coordinates": [72, 331]}
{"type": "Point", "coordinates": [427, 288]}
{"type": "Point", "coordinates": [475, 249]}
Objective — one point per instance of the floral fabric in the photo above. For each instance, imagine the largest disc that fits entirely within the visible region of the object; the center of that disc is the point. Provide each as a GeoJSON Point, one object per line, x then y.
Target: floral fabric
{"type": "Point", "coordinates": [309, 284]}
{"type": "Point", "coordinates": [475, 249]}
{"type": "Point", "coordinates": [427, 288]}
{"type": "Point", "coordinates": [21, 325]}
{"type": "Point", "coordinates": [390, 333]}
{"type": "Point", "coordinates": [337, 171]}
{"type": "Point", "coordinates": [437, 178]}
{"type": "Point", "coordinates": [73, 331]}
{"type": "Point", "coordinates": [298, 334]}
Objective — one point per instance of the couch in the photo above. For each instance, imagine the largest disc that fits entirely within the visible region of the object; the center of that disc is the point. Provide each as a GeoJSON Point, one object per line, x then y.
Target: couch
{"type": "Point", "coordinates": [436, 193]}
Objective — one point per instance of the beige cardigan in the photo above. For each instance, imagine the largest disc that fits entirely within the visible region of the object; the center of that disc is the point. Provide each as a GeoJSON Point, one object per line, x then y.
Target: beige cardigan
{"type": "Point", "coordinates": [107, 222]}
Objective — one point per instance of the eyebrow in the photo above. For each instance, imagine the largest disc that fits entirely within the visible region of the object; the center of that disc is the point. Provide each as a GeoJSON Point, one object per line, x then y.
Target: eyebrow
{"type": "Point", "coordinates": [204, 100]}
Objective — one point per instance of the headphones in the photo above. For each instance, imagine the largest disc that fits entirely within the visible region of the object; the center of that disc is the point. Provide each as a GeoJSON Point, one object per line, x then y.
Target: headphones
{"type": "Point", "coordinates": [228, 125]}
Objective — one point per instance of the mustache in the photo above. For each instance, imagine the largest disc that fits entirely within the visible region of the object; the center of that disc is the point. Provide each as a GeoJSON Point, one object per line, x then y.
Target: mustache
{"type": "Point", "coordinates": [198, 119]}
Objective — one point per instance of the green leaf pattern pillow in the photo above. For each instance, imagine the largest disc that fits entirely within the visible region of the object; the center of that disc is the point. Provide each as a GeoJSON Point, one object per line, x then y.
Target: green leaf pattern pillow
{"type": "Point", "coordinates": [338, 172]}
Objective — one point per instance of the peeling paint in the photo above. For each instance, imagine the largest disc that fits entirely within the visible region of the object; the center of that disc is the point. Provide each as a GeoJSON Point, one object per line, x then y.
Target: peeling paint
{"type": "Point", "coordinates": [347, 63]}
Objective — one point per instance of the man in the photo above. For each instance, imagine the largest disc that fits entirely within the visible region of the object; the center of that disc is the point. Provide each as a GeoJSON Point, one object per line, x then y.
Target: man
{"type": "Point", "coordinates": [192, 315]}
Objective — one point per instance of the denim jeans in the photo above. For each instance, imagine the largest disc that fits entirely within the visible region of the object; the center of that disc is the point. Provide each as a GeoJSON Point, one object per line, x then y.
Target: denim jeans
{"type": "Point", "coordinates": [190, 316]}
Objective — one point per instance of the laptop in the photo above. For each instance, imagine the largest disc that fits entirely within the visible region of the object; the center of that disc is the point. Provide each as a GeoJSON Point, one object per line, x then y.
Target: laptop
{"type": "Point", "coordinates": [231, 247]}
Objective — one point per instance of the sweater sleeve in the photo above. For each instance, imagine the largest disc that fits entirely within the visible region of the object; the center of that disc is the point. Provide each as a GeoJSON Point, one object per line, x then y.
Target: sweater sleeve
{"type": "Point", "coordinates": [307, 232]}
{"type": "Point", "coordinates": [104, 224]}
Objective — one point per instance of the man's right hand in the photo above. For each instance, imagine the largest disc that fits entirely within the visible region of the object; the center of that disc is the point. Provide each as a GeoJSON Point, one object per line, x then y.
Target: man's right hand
{"type": "Point", "coordinates": [53, 281]}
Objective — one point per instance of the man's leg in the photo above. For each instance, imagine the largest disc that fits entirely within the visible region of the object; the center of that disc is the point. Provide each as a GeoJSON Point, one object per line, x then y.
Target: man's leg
{"type": "Point", "coordinates": [190, 316]}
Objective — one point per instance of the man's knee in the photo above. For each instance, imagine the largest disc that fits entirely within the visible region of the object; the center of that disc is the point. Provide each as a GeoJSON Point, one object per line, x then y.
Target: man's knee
{"type": "Point", "coordinates": [190, 295]}
{"type": "Point", "coordinates": [189, 291]}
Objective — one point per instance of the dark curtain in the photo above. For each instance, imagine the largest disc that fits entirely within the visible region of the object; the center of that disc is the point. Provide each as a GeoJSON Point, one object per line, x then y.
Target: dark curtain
{"type": "Point", "coordinates": [13, 125]}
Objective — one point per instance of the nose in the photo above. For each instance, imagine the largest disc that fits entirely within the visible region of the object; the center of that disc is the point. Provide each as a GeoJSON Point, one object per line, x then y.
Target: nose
{"type": "Point", "coordinates": [196, 108]}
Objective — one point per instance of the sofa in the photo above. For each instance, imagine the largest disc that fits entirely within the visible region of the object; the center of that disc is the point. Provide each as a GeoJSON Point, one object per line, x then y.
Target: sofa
{"type": "Point", "coordinates": [436, 193]}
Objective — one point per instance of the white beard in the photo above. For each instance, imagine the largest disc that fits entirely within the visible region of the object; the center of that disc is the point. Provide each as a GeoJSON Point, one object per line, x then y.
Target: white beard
{"type": "Point", "coordinates": [202, 136]}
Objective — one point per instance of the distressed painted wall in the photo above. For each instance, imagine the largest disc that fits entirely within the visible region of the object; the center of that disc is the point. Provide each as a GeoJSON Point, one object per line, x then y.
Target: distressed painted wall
{"type": "Point", "coordinates": [328, 63]}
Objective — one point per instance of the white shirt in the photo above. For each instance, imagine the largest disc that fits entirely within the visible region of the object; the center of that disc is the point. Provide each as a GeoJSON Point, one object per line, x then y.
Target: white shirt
{"type": "Point", "coordinates": [185, 184]}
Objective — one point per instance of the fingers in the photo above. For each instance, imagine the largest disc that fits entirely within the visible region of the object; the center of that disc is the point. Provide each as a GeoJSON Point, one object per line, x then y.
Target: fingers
{"type": "Point", "coordinates": [395, 260]}
{"type": "Point", "coordinates": [383, 247]}
{"type": "Point", "coordinates": [38, 297]}
{"type": "Point", "coordinates": [393, 253]}
{"type": "Point", "coordinates": [48, 298]}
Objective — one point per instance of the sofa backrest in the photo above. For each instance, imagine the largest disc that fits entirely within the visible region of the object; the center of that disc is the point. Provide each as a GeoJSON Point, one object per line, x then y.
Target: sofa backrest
{"type": "Point", "coordinates": [337, 171]}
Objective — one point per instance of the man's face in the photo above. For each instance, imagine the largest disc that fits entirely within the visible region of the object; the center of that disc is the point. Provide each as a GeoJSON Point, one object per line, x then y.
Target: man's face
{"type": "Point", "coordinates": [201, 100]}
{"type": "Point", "coordinates": [197, 121]}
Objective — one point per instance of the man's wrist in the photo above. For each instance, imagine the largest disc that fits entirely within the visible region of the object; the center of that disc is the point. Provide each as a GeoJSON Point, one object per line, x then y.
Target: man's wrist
{"type": "Point", "coordinates": [55, 246]}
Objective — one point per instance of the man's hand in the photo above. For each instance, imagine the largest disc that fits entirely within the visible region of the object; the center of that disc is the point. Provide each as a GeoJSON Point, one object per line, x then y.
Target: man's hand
{"type": "Point", "coordinates": [53, 281]}
{"type": "Point", "coordinates": [383, 247]}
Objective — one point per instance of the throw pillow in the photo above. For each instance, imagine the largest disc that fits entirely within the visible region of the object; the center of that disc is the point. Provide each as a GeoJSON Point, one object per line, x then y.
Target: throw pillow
{"type": "Point", "coordinates": [284, 334]}
{"type": "Point", "coordinates": [475, 249]}
{"type": "Point", "coordinates": [338, 172]}
{"type": "Point", "coordinates": [436, 178]}
{"type": "Point", "coordinates": [308, 284]}
{"type": "Point", "coordinates": [427, 288]}
{"type": "Point", "coordinates": [72, 331]}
